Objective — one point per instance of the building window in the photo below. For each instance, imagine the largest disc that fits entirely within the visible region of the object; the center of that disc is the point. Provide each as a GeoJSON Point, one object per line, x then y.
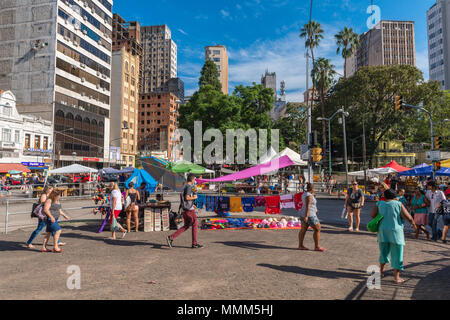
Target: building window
{"type": "Point", "coordinates": [17, 136]}
{"type": "Point", "coordinates": [45, 143]}
{"type": "Point", "coordinates": [37, 142]}
{"type": "Point", "coordinates": [27, 141]}
{"type": "Point", "coordinates": [7, 110]}
{"type": "Point", "coordinates": [6, 135]}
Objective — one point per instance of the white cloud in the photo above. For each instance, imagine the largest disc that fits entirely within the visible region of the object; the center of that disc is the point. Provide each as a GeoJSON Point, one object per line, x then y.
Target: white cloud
{"type": "Point", "coordinates": [225, 13]}
{"type": "Point", "coordinates": [422, 63]}
{"type": "Point", "coordinates": [286, 57]}
{"type": "Point", "coordinates": [183, 32]}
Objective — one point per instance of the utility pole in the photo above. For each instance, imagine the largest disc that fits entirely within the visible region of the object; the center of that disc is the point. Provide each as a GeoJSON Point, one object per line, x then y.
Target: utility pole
{"type": "Point", "coordinates": [345, 147]}
{"type": "Point", "coordinates": [364, 153]}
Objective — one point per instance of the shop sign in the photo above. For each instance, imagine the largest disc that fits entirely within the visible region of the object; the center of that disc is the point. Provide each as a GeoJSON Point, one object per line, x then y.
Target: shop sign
{"type": "Point", "coordinates": [91, 159]}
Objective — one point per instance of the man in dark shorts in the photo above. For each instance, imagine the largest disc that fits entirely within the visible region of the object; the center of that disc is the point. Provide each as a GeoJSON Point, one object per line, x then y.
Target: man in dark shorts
{"type": "Point", "coordinates": [188, 211]}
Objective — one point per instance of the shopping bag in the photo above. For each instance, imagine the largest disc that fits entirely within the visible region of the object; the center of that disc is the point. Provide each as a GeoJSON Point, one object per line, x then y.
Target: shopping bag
{"type": "Point", "coordinates": [344, 214]}
{"type": "Point", "coordinates": [114, 225]}
{"type": "Point", "coordinates": [374, 225]}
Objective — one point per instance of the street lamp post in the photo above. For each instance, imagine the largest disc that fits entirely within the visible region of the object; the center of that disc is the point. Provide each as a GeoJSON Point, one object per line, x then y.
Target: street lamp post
{"type": "Point", "coordinates": [344, 114]}
{"type": "Point", "coordinates": [329, 132]}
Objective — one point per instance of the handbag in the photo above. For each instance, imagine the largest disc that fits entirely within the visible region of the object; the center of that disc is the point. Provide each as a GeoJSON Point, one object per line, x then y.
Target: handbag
{"type": "Point", "coordinates": [374, 224]}
{"type": "Point", "coordinates": [344, 214]}
{"type": "Point", "coordinates": [38, 212]}
{"type": "Point", "coordinates": [114, 225]}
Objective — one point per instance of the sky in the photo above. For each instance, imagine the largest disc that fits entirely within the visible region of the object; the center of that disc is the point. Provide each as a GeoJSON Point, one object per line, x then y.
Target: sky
{"type": "Point", "coordinates": [264, 34]}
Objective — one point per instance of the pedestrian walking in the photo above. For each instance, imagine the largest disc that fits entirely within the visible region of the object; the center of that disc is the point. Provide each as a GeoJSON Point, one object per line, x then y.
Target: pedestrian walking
{"type": "Point", "coordinates": [115, 200]}
{"type": "Point", "coordinates": [354, 202]}
{"type": "Point", "coordinates": [445, 210]}
{"type": "Point", "coordinates": [435, 197]}
{"type": "Point", "coordinates": [132, 208]}
{"type": "Point", "coordinates": [188, 211]}
{"type": "Point", "coordinates": [53, 210]}
{"type": "Point", "coordinates": [391, 238]}
{"type": "Point", "coordinates": [309, 219]}
{"type": "Point", "coordinates": [41, 222]}
{"type": "Point", "coordinates": [419, 205]}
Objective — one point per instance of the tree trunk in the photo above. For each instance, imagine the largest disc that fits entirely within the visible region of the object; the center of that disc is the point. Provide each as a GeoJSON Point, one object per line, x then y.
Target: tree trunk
{"type": "Point", "coordinates": [324, 128]}
{"type": "Point", "coordinates": [345, 68]}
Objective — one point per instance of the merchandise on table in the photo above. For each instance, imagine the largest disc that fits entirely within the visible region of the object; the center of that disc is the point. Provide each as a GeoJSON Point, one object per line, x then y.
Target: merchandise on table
{"type": "Point", "coordinates": [298, 201]}
{"type": "Point", "coordinates": [287, 201]}
{"type": "Point", "coordinates": [248, 204]}
{"type": "Point", "coordinates": [273, 205]}
{"type": "Point", "coordinates": [260, 201]}
{"type": "Point", "coordinates": [236, 204]}
{"type": "Point", "coordinates": [256, 224]}
{"type": "Point", "coordinates": [223, 206]}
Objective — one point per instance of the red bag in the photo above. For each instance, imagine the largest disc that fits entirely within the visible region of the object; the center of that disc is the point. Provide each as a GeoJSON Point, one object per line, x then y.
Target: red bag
{"type": "Point", "coordinates": [273, 205]}
{"type": "Point", "coordinates": [298, 201]}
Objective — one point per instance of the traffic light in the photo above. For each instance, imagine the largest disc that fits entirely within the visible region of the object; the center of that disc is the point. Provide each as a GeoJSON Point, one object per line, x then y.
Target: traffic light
{"type": "Point", "coordinates": [317, 154]}
{"type": "Point", "coordinates": [398, 103]}
{"type": "Point", "coordinates": [437, 143]}
{"type": "Point", "coordinates": [313, 139]}
{"type": "Point", "coordinates": [438, 166]}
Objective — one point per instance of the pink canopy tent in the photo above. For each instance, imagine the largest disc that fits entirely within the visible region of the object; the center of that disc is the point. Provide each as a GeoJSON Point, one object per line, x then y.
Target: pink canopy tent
{"type": "Point", "coordinates": [259, 170]}
{"type": "Point", "coordinates": [394, 165]}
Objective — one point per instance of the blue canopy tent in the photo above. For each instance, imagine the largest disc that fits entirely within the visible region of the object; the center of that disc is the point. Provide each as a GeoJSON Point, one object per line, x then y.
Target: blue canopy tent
{"type": "Point", "coordinates": [126, 170]}
{"type": "Point", "coordinates": [421, 171]}
{"type": "Point", "coordinates": [444, 172]}
{"type": "Point", "coordinates": [140, 176]}
{"type": "Point", "coordinates": [109, 171]}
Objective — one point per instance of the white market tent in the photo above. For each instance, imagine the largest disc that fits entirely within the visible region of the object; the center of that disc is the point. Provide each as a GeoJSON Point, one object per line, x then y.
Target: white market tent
{"type": "Point", "coordinates": [373, 172]}
{"type": "Point", "coordinates": [72, 169]}
{"type": "Point", "coordinates": [271, 154]}
{"type": "Point", "coordinates": [294, 156]}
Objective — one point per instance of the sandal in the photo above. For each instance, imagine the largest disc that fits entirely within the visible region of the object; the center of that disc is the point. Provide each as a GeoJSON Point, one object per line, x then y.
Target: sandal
{"type": "Point", "coordinates": [320, 249]}
{"type": "Point", "coordinates": [45, 250]}
{"type": "Point", "coordinates": [57, 251]}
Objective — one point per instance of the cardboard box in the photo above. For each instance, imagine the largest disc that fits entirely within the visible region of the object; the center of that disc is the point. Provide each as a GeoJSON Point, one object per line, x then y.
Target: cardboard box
{"type": "Point", "coordinates": [157, 220]}
{"type": "Point", "coordinates": [165, 220]}
{"type": "Point", "coordinates": [149, 220]}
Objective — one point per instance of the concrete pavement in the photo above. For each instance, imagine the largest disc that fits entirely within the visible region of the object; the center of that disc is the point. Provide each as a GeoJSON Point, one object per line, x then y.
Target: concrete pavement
{"type": "Point", "coordinates": [245, 264]}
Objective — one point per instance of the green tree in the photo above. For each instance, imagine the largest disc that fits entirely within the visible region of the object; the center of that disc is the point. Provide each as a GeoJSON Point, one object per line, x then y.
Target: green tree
{"type": "Point", "coordinates": [348, 42]}
{"type": "Point", "coordinates": [210, 75]}
{"type": "Point", "coordinates": [368, 96]}
{"type": "Point", "coordinates": [256, 103]}
{"type": "Point", "coordinates": [292, 127]}
{"type": "Point", "coordinates": [323, 72]}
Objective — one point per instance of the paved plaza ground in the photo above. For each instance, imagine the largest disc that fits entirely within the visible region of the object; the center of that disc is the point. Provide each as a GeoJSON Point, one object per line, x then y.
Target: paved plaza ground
{"type": "Point", "coordinates": [243, 264]}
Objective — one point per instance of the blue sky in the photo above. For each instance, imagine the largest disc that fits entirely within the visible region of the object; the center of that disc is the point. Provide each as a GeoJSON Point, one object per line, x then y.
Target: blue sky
{"type": "Point", "coordinates": [263, 34]}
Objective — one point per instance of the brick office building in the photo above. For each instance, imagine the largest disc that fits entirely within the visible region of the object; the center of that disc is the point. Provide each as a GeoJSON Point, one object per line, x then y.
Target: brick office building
{"type": "Point", "coordinates": [158, 120]}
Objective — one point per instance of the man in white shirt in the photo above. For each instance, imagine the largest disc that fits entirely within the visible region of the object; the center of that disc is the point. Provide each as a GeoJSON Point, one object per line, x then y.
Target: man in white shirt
{"type": "Point", "coordinates": [435, 196]}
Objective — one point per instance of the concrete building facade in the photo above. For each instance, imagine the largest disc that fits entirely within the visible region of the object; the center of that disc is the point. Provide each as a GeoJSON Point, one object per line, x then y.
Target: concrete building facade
{"type": "Point", "coordinates": [56, 57]}
{"type": "Point", "coordinates": [126, 56]}
{"type": "Point", "coordinates": [269, 80]}
{"type": "Point", "coordinates": [387, 43]}
{"type": "Point", "coordinates": [23, 138]}
{"type": "Point", "coordinates": [439, 42]}
{"type": "Point", "coordinates": [159, 59]}
{"type": "Point", "coordinates": [219, 55]}
{"type": "Point", "coordinates": [158, 120]}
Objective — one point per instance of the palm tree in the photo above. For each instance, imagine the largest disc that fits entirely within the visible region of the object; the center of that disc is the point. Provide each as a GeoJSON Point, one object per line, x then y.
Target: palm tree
{"type": "Point", "coordinates": [348, 42]}
{"type": "Point", "coordinates": [323, 72]}
{"type": "Point", "coordinates": [313, 33]}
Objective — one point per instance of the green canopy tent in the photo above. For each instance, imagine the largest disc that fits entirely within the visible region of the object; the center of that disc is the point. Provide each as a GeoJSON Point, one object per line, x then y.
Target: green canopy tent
{"type": "Point", "coordinates": [186, 167]}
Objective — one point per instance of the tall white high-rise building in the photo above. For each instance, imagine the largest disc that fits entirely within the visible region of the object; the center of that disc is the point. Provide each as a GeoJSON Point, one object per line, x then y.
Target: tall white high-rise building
{"type": "Point", "coordinates": [56, 57]}
{"type": "Point", "coordinates": [438, 42]}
